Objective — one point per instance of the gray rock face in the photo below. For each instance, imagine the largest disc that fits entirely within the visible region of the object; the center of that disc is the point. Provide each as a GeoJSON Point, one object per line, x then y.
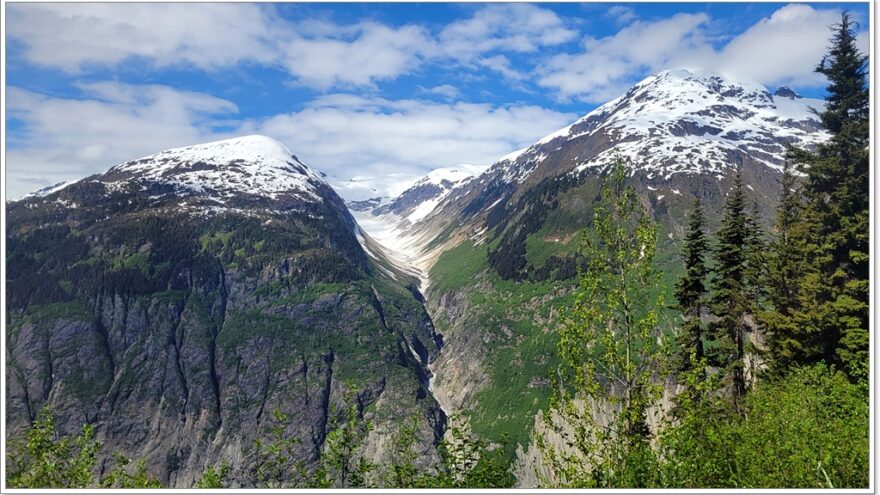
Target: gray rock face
{"type": "Point", "coordinates": [786, 92]}
{"type": "Point", "coordinates": [364, 205]}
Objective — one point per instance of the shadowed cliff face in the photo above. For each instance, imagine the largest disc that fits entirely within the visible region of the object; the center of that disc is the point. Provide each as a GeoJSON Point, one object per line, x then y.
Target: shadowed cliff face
{"type": "Point", "coordinates": [176, 323]}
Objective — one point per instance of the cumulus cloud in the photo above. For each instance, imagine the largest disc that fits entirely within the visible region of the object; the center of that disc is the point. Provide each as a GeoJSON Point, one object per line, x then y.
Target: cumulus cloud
{"type": "Point", "coordinates": [72, 36]}
{"type": "Point", "coordinates": [385, 140]}
{"type": "Point", "coordinates": [608, 65]}
{"type": "Point", "coordinates": [507, 27]}
{"type": "Point", "coordinates": [319, 54]}
{"type": "Point", "coordinates": [66, 138]}
{"type": "Point", "coordinates": [780, 49]}
{"type": "Point", "coordinates": [372, 52]}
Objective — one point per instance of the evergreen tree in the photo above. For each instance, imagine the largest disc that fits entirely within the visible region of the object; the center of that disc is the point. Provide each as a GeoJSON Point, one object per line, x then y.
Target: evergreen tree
{"type": "Point", "coordinates": [691, 290]}
{"type": "Point", "coordinates": [756, 257]}
{"type": "Point", "coordinates": [831, 318]}
{"type": "Point", "coordinates": [784, 273]}
{"type": "Point", "coordinates": [730, 300]}
{"type": "Point", "coordinates": [784, 253]}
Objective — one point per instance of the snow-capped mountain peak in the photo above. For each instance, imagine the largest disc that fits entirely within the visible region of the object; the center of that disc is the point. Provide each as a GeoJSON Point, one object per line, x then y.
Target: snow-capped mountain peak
{"type": "Point", "coordinates": [680, 121]}
{"type": "Point", "coordinates": [786, 92]}
{"type": "Point", "coordinates": [254, 165]}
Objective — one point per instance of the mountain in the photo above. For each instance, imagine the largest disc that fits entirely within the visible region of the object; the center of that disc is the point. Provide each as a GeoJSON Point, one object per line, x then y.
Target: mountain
{"type": "Point", "coordinates": [177, 300]}
{"type": "Point", "coordinates": [679, 122]}
{"type": "Point", "coordinates": [421, 198]}
{"type": "Point", "coordinates": [497, 252]}
{"type": "Point", "coordinates": [238, 170]}
{"type": "Point", "coordinates": [682, 133]}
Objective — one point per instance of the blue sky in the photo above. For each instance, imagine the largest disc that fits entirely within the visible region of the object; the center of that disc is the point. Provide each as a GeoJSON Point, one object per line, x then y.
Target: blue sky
{"type": "Point", "coordinates": [374, 95]}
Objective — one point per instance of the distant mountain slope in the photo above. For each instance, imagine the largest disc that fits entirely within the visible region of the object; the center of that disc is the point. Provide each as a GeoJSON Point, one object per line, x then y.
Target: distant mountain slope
{"type": "Point", "coordinates": [421, 198]}
{"type": "Point", "coordinates": [177, 300]}
{"type": "Point", "coordinates": [683, 133]}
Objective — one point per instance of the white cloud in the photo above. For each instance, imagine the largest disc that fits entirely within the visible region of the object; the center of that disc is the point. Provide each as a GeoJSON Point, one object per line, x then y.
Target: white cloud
{"type": "Point", "coordinates": [371, 53]}
{"type": "Point", "coordinates": [622, 14]}
{"type": "Point", "coordinates": [607, 65]}
{"type": "Point", "coordinates": [397, 140]}
{"type": "Point", "coordinates": [74, 36]}
{"type": "Point", "coordinates": [447, 91]}
{"type": "Point", "coordinates": [504, 27]}
{"type": "Point", "coordinates": [502, 65]}
{"type": "Point", "coordinates": [344, 135]}
{"type": "Point", "coordinates": [318, 53]}
{"type": "Point", "coordinates": [780, 49]}
{"type": "Point", "coordinates": [72, 138]}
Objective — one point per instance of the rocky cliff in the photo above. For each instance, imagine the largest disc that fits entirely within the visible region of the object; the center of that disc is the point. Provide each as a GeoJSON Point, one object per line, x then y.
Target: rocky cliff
{"type": "Point", "coordinates": [177, 300]}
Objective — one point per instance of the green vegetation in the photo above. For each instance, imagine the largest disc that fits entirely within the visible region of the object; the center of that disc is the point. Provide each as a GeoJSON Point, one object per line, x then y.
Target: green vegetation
{"type": "Point", "coordinates": [825, 318]}
{"type": "Point", "coordinates": [691, 290]}
{"type": "Point", "coordinates": [214, 476]}
{"type": "Point", "coordinates": [798, 417]}
{"type": "Point", "coordinates": [540, 247]}
{"type": "Point", "coordinates": [40, 459]}
{"type": "Point", "coordinates": [610, 349]}
{"type": "Point", "coordinates": [733, 290]}
{"type": "Point", "coordinates": [465, 462]}
{"type": "Point", "coordinates": [68, 310]}
{"type": "Point", "coordinates": [457, 267]}
{"type": "Point", "coordinates": [808, 430]}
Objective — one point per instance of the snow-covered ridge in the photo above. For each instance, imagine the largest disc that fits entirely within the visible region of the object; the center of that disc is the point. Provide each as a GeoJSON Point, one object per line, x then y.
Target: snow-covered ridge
{"type": "Point", "coordinates": [39, 193]}
{"type": "Point", "coordinates": [255, 165]}
{"type": "Point", "coordinates": [423, 196]}
{"type": "Point", "coordinates": [386, 227]}
{"type": "Point", "coordinates": [445, 176]}
{"type": "Point", "coordinates": [445, 180]}
{"type": "Point", "coordinates": [683, 121]}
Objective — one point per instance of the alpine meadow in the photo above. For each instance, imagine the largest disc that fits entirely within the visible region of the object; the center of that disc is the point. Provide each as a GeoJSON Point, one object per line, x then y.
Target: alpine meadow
{"type": "Point", "coordinates": [317, 285]}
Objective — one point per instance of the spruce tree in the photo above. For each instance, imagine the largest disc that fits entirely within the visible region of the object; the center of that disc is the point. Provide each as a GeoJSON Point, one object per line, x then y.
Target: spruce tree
{"type": "Point", "coordinates": [784, 273]}
{"type": "Point", "coordinates": [784, 254]}
{"type": "Point", "coordinates": [831, 317]}
{"type": "Point", "coordinates": [755, 258]}
{"type": "Point", "coordinates": [730, 299]}
{"type": "Point", "coordinates": [691, 290]}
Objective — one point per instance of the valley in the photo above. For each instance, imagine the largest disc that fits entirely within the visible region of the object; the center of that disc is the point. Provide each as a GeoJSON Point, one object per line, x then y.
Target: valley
{"type": "Point", "coordinates": [496, 252]}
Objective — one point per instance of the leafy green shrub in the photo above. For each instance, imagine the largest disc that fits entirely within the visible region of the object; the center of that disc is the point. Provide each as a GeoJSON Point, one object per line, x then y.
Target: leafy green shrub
{"type": "Point", "coordinates": [808, 430]}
